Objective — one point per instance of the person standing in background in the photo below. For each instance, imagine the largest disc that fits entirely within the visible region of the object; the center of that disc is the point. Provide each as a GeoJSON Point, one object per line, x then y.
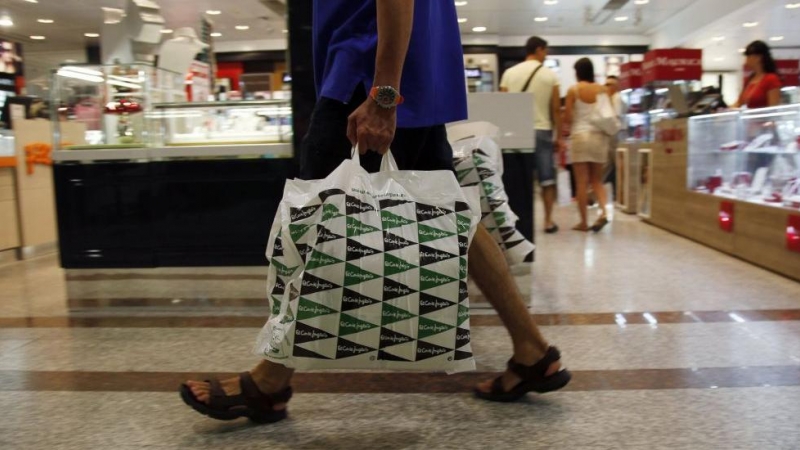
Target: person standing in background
{"type": "Point", "coordinates": [589, 145]}
{"type": "Point", "coordinates": [610, 173]}
{"type": "Point", "coordinates": [763, 87]}
{"type": "Point", "coordinates": [532, 76]}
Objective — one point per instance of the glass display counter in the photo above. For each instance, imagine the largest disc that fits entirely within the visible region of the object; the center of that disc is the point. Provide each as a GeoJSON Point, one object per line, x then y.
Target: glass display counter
{"type": "Point", "coordinates": [750, 156]}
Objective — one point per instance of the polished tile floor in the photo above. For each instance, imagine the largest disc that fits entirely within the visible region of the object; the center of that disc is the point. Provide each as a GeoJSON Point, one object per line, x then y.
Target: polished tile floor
{"type": "Point", "coordinates": [673, 346]}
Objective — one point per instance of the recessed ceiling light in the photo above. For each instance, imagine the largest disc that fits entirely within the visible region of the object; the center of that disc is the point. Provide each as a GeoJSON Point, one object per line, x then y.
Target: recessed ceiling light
{"type": "Point", "coordinates": [45, 20]}
{"type": "Point", "coordinates": [38, 38]}
{"type": "Point", "coordinates": [540, 19]}
{"type": "Point", "coordinates": [213, 12]}
{"type": "Point", "coordinates": [166, 31]}
{"type": "Point", "coordinates": [776, 38]}
{"type": "Point", "coordinates": [749, 24]}
{"type": "Point", "coordinates": [621, 18]}
{"type": "Point", "coordinates": [741, 50]}
{"type": "Point", "coordinates": [5, 21]}
{"type": "Point", "coordinates": [91, 35]}
{"type": "Point", "coordinates": [462, 19]}
{"type": "Point", "coordinates": [718, 38]}
{"type": "Point", "coordinates": [242, 27]}
{"type": "Point", "coordinates": [32, 1]}
{"type": "Point", "coordinates": [285, 31]}
{"type": "Point", "coordinates": [719, 59]}
{"type": "Point", "coordinates": [216, 34]}
{"type": "Point", "coordinates": [792, 5]}
{"type": "Point", "coordinates": [550, 2]}
{"type": "Point", "coordinates": [461, 3]}
{"type": "Point", "coordinates": [479, 29]}
{"type": "Point", "coordinates": [642, 2]}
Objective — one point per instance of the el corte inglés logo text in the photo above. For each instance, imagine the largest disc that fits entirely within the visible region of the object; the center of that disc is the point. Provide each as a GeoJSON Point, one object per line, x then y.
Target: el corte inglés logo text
{"type": "Point", "coordinates": [363, 207]}
{"type": "Point", "coordinates": [432, 233]}
{"type": "Point", "coordinates": [434, 279]}
{"type": "Point", "coordinates": [322, 259]}
{"type": "Point", "coordinates": [434, 327]}
{"type": "Point", "coordinates": [325, 234]}
{"type": "Point", "coordinates": [303, 213]}
{"type": "Point", "coordinates": [312, 334]}
{"type": "Point", "coordinates": [434, 303]}
{"type": "Point", "coordinates": [358, 227]}
{"type": "Point", "coordinates": [395, 314]}
{"type": "Point", "coordinates": [392, 220]}
{"type": "Point", "coordinates": [463, 313]}
{"type": "Point", "coordinates": [463, 337]}
{"type": "Point", "coordinates": [396, 265]}
{"type": "Point", "coordinates": [313, 309]}
{"type": "Point", "coordinates": [463, 244]}
{"type": "Point", "coordinates": [397, 290]}
{"type": "Point", "coordinates": [357, 326]}
{"type": "Point", "coordinates": [435, 211]}
{"type": "Point", "coordinates": [317, 285]}
{"type": "Point", "coordinates": [436, 256]}
{"type": "Point", "coordinates": [357, 301]}
{"type": "Point", "coordinates": [358, 275]}
{"type": "Point", "coordinates": [383, 195]}
{"type": "Point", "coordinates": [431, 351]}
{"type": "Point", "coordinates": [391, 241]}
{"type": "Point", "coordinates": [363, 251]}
{"type": "Point", "coordinates": [394, 339]}
{"type": "Point", "coordinates": [350, 349]}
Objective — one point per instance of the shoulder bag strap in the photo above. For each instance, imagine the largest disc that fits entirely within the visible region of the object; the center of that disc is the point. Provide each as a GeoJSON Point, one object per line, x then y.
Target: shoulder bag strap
{"type": "Point", "coordinates": [528, 83]}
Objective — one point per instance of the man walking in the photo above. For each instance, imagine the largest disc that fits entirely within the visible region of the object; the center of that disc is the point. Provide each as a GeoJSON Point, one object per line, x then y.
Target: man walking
{"type": "Point", "coordinates": [532, 76]}
{"type": "Point", "coordinates": [391, 72]}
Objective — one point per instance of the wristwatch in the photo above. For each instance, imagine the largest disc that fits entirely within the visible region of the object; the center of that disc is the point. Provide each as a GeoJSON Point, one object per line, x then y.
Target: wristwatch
{"type": "Point", "coordinates": [386, 96]}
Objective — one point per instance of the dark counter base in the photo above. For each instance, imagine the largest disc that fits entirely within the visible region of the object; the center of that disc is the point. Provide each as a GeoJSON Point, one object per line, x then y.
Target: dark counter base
{"type": "Point", "coordinates": [172, 213]}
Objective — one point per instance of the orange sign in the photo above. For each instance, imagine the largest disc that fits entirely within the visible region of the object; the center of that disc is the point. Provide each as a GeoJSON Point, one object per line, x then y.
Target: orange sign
{"type": "Point", "coordinates": [37, 153]}
{"type": "Point", "coordinates": [8, 161]}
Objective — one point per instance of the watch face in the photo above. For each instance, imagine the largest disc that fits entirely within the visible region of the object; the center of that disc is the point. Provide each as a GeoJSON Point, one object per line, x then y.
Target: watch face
{"type": "Point", "coordinates": [386, 96]}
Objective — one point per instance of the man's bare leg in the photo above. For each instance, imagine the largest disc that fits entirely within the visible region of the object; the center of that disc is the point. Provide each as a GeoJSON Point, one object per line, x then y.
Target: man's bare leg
{"type": "Point", "coordinates": [489, 270]}
{"type": "Point", "coordinates": [268, 376]}
{"type": "Point", "coordinates": [549, 200]}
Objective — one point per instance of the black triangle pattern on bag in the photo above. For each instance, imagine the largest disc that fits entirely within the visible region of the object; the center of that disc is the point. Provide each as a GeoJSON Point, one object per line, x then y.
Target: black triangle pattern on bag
{"type": "Point", "coordinates": [279, 288]}
{"type": "Point", "coordinates": [390, 338]}
{"type": "Point", "coordinates": [427, 350]}
{"type": "Point", "coordinates": [430, 255]}
{"type": "Point", "coordinates": [485, 173]}
{"type": "Point", "coordinates": [428, 212]}
{"type": "Point", "coordinates": [326, 235]}
{"type": "Point", "coordinates": [277, 246]}
{"type": "Point", "coordinates": [458, 161]}
{"type": "Point", "coordinates": [324, 195]}
{"type": "Point", "coordinates": [353, 300]}
{"type": "Point", "coordinates": [300, 352]}
{"type": "Point", "coordinates": [297, 214]}
{"type": "Point", "coordinates": [303, 249]}
{"type": "Point", "coordinates": [312, 284]}
{"type": "Point", "coordinates": [480, 152]}
{"type": "Point", "coordinates": [495, 203]}
{"type": "Point", "coordinates": [355, 206]}
{"type": "Point", "coordinates": [462, 206]}
{"type": "Point", "coordinates": [392, 289]}
{"type": "Point", "coordinates": [463, 245]}
{"type": "Point", "coordinates": [356, 250]}
{"type": "Point", "coordinates": [304, 333]}
{"type": "Point", "coordinates": [463, 291]}
{"type": "Point", "coordinates": [391, 202]}
{"type": "Point", "coordinates": [429, 303]}
{"type": "Point", "coordinates": [513, 244]}
{"type": "Point", "coordinates": [346, 349]}
{"type": "Point", "coordinates": [384, 356]}
{"type": "Point", "coordinates": [394, 242]}
{"type": "Point", "coordinates": [460, 356]}
{"type": "Point", "coordinates": [507, 232]}
{"type": "Point", "coordinates": [462, 337]}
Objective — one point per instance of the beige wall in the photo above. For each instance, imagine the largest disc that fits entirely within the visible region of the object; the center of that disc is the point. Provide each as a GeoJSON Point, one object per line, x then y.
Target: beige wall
{"type": "Point", "coordinates": [9, 222]}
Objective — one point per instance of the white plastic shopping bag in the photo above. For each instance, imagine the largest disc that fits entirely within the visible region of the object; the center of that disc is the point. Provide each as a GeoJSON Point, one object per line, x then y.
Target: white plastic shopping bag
{"type": "Point", "coordinates": [604, 117]}
{"type": "Point", "coordinates": [369, 271]}
{"type": "Point", "coordinates": [475, 162]}
{"type": "Point", "coordinates": [564, 188]}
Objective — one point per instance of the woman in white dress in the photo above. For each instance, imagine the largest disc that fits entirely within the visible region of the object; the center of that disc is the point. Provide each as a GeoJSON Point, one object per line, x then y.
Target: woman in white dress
{"type": "Point", "coordinates": [589, 144]}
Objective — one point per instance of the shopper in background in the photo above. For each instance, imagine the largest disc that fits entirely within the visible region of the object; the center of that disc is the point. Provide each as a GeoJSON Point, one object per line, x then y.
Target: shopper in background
{"type": "Point", "coordinates": [763, 88]}
{"type": "Point", "coordinates": [391, 45]}
{"type": "Point", "coordinates": [610, 172]}
{"type": "Point", "coordinates": [532, 76]}
{"type": "Point", "coordinates": [589, 145]}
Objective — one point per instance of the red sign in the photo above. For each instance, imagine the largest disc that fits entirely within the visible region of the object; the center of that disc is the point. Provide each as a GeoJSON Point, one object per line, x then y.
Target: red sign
{"type": "Point", "coordinates": [793, 234]}
{"type": "Point", "coordinates": [630, 76]}
{"type": "Point", "coordinates": [672, 64]}
{"type": "Point", "coordinates": [788, 71]}
{"type": "Point", "coordinates": [726, 217]}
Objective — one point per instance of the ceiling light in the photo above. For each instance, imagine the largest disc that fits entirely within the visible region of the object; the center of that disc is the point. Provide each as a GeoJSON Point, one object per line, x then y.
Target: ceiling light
{"type": "Point", "coordinates": [641, 2]}
{"type": "Point", "coordinates": [540, 19]}
{"type": "Point", "coordinates": [621, 18]}
{"type": "Point", "coordinates": [479, 29]}
{"type": "Point", "coordinates": [91, 35]}
{"type": "Point", "coordinates": [749, 24]}
{"type": "Point", "coordinates": [285, 31]}
{"type": "Point", "coordinates": [242, 27]}
{"type": "Point", "coordinates": [32, 1]}
{"type": "Point", "coordinates": [45, 20]}
{"type": "Point", "coordinates": [461, 3]}
{"type": "Point", "coordinates": [38, 38]}
{"type": "Point", "coordinates": [719, 59]}
{"type": "Point", "coordinates": [718, 38]}
{"type": "Point", "coordinates": [792, 5]}
{"type": "Point", "coordinates": [776, 38]}
{"type": "Point", "coordinates": [166, 30]}
{"type": "Point", "coordinates": [741, 50]}
{"type": "Point", "coordinates": [462, 19]}
{"type": "Point", "coordinates": [550, 2]}
{"type": "Point", "coordinates": [5, 21]}
{"type": "Point", "coordinates": [213, 12]}
{"type": "Point", "coordinates": [216, 34]}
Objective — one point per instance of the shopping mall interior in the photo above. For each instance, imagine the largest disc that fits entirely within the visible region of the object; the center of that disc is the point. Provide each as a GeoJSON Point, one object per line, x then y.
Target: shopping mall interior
{"type": "Point", "coordinates": [156, 237]}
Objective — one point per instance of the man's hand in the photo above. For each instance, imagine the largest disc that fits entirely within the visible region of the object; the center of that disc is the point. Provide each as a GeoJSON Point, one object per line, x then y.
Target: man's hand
{"type": "Point", "coordinates": [372, 127]}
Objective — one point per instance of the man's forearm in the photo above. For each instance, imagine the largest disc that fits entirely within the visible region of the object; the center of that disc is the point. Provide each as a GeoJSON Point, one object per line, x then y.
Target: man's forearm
{"type": "Point", "coordinates": [395, 21]}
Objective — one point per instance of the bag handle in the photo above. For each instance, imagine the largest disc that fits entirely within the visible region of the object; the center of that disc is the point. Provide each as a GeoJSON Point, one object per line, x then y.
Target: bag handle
{"type": "Point", "coordinates": [388, 163]}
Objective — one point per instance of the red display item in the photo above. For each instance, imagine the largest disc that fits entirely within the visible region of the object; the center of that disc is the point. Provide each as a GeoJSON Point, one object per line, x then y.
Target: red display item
{"type": "Point", "coordinates": [630, 76]}
{"type": "Point", "coordinates": [793, 234]}
{"type": "Point", "coordinates": [726, 216]}
{"type": "Point", "coordinates": [742, 178]}
{"type": "Point", "coordinates": [713, 183]}
{"type": "Point", "coordinates": [123, 106]}
{"type": "Point", "coordinates": [672, 64]}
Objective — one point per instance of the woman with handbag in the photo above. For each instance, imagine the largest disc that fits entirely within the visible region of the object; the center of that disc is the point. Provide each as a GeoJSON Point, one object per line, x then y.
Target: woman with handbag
{"type": "Point", "coordinates": [589, 113]}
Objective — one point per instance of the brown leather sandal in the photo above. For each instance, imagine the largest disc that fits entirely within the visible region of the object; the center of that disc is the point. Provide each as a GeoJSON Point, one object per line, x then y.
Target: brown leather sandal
{"type": "Point", "coordinates": [251, 403]}
{"type": "Point", "coordinates": [533, 379]}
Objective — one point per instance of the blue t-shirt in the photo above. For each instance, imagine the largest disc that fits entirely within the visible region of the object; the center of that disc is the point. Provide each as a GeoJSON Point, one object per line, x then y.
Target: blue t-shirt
{"type": "Point", "coordinates": [433, 83]}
